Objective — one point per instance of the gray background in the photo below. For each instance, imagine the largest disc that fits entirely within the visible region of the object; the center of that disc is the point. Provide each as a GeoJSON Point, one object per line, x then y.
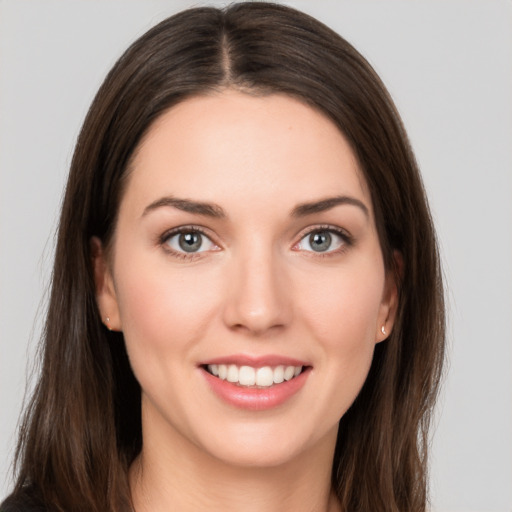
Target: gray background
{"type": "Point", "coordinates": [449, 67]}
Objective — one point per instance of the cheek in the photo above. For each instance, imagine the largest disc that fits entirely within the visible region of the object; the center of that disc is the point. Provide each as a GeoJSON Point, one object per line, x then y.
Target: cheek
{"type": "Point", "coordinates": [341, 312]}
{"type": "Point", "coordinates": [342, 307]}
{"type": "Point", "coordinates": [163, 309]}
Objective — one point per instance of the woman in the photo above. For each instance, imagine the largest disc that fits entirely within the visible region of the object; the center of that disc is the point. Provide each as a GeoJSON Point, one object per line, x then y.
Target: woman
{"type": "Point", "coordinates": [246, 307]}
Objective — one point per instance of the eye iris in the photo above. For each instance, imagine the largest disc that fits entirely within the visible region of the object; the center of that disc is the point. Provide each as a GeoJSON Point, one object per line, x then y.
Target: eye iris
{"type": "Point", "coordinates": [320, 241]}
{"type": "Point", "coordinates": [190, 242]}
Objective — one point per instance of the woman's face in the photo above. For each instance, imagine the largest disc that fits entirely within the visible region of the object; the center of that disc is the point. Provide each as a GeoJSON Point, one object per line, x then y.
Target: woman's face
{"type": "Point", "coordinates": [246, 252]}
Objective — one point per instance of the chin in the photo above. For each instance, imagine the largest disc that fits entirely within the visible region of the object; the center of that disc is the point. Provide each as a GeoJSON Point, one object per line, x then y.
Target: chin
{"type": "Point", "coordinates": [259, 446]}
{"type": "Point", "coordinates": [257, 457]}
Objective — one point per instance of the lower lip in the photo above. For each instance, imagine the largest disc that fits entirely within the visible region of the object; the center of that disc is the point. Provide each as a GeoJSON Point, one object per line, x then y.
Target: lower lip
{"type": "Point", "coordinates": [256, 399]}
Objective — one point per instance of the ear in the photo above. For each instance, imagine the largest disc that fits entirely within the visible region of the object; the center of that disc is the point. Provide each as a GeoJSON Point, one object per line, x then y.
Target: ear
{"type": "Point", "coordinates": [105, 291]}
{"type": "Point", "coordinates": [389, 304]}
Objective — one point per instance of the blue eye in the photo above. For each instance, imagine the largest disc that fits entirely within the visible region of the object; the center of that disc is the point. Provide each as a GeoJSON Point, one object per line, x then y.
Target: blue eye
{"type": "Point", "coordinates": [322, 240]}
{"type": "Point", "coordinates": [189, 241]}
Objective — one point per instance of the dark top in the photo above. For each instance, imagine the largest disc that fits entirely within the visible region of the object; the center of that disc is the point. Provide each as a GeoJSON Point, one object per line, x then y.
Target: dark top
{"type": "Point", "coordinates": [21, 504]}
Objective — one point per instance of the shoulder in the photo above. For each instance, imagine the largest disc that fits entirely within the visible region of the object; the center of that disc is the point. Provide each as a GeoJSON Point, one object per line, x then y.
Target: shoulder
{"type": "Point", "coordinates": [24, 503]}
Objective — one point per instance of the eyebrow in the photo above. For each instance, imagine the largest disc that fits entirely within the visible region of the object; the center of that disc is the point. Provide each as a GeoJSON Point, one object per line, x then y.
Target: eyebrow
{"type": "Point", "coordinates": [215, 211]}
{"type": "Point", "coordinates": [326, 204]}
{"type": "Point", "coordinates": [187, 205]}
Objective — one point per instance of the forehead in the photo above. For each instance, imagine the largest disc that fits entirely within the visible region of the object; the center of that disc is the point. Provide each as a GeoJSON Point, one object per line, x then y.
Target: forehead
{"type": "Point", "coordinates": [232, 145]}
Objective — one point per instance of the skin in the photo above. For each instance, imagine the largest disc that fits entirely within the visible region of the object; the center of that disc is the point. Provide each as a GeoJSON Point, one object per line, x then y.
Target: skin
{"type": "Point", "coordinates": [256, 287]}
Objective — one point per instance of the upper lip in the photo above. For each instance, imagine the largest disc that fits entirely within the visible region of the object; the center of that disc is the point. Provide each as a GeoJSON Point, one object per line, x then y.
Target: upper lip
{"type": "Point", "coordinates": [256, 361]}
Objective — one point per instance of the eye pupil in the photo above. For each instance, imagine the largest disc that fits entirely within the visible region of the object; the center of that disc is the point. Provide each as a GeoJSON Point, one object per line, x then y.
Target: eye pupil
{"type": "Point", "coordinates": [320, 241]}
{"type": "Point", "coordinates": [190, 242]}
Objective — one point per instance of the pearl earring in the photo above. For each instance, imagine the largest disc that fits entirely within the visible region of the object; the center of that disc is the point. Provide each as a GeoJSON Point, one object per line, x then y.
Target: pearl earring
{"type": "Point", "coordinates": [107, 323]}
{"type": "Point", "coordinates": [383, 330]}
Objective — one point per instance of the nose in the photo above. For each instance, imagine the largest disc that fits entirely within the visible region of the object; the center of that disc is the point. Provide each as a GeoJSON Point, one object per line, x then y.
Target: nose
{"type": "Point", "coordinates": [258, 300]}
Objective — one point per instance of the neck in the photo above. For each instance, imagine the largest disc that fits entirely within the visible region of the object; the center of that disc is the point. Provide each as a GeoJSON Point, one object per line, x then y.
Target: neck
{"type": "Point", "coordinates": [170, 475]}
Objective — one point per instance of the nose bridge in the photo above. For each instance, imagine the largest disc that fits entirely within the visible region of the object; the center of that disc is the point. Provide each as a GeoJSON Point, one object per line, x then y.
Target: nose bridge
{"type": "Point", "coordinates": [257, 300]}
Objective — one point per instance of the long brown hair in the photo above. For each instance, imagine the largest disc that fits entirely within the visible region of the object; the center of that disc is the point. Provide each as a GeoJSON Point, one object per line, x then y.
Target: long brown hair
{"type": "Point", "coordinates": [82, 428]}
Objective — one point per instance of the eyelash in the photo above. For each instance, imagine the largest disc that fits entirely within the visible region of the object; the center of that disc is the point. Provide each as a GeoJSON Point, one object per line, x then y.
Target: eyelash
{"type": "Point", "coordinates": [164, 239]}
{"type": "Point", "coordinates": [348, 241]}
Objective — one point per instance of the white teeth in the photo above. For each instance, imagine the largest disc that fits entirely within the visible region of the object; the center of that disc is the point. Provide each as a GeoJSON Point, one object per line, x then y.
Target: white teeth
{"type": "Point", "coordinates": [232, 373]}
{"type": "Point", "coordinates": [279, 374]}
{"type": "Point", "coordinates": [265, 376]}
{"type": "Point", "coordinates": [223, 371]}
{"type": "Point", "coordinates": [248, 376]}
{"type": "Point", "coordinates": [289, 372]}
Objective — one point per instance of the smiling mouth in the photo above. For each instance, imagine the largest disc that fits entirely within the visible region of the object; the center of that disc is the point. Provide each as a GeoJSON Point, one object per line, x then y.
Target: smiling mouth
{"type": "Point", "coordinates": [248, 376]}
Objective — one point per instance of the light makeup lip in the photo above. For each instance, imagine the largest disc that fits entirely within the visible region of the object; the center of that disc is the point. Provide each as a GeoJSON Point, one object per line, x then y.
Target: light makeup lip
{"type": "Point", "coordinates": [271, 360]}
{"type": "Point", "coordinates": [255, 398]}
